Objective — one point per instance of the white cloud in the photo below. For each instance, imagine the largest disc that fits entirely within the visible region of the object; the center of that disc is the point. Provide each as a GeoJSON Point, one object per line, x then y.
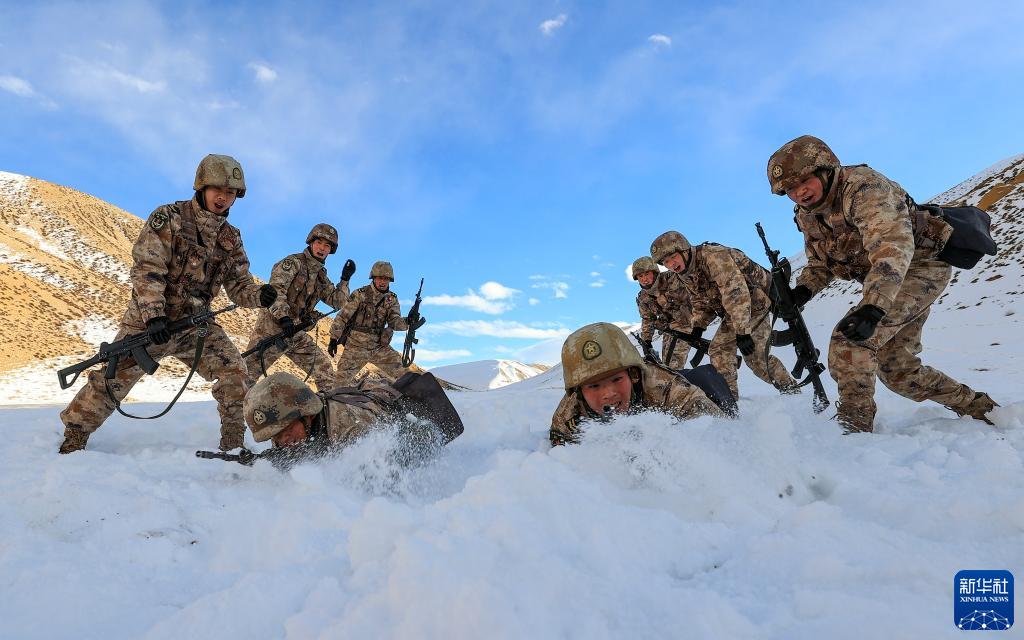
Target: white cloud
{"type": "Point", "coordinates": [537, 277]}
{"type": "Point", "coordinates": [263, 73]}
{"type": "Point", "coordinates": [427, 355]}
{"type": "Point", "coordinates": [17, 86]}
{"type": "Point", "coordinates": [534, 302]}
{"type": "Point", "coordinates": [495, 329]}
{"type": "Point", "coordinates": [497, 291]}
{"type": "Point", "coordinates": [594, 274]}
{"type": "Point", "coordinates": [597, 283]}
{"type": "Point", "coordinates": [549, 27]}
{"type": "Point", "coordinates": [660, 39]}
{"type": "Point", "coordinates": [560, 289]}
{"type": "Point", "coordinates": [494, 298]}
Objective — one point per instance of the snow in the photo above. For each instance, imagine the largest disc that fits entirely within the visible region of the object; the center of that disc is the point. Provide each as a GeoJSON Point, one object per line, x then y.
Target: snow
{"type": "Point", "coordinates": [482, 375]}
{"type": "Point", "coordinates": [32, 269]}
{"type": "Point", "coordinates": [14, 187]}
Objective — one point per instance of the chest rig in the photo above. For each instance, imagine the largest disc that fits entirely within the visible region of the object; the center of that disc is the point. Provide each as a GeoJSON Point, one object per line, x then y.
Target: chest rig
{"type": "Point", "coordinates": [197, 270]}
{"type": "Point", "coordinates": [302, 292]}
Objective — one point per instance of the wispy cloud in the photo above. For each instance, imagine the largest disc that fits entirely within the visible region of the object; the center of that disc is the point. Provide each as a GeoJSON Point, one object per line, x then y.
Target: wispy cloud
{"type": "Point", "coordinates": [17, 86]}
{"type": "Point", "coordinates": [560, 289]}
{"type": "Point", "coordinates": [549, 27]}
{"type": "Point", "coordinates": [263, 73]}
{"type": "Point", "coordinates": [533, 302]}
{"type": "Point", "coordinates": [594, 274]}
{"type": "Point", "coordinates": [660, 40]}
{"type": "Point", "coordinates": [495, 329]}
{"type": "Point", "coordinates": [597, 283]}
{"type": "Point", "coordinates": [494, 298]}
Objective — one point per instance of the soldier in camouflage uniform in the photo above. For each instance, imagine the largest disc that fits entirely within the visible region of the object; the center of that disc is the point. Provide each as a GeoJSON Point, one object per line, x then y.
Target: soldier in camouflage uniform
{"type": "Point", "coordinates": [859, 225]}
{"type": "Point", "coordinates": [604, 375]}
{"type": "Point", "coordinates": [185, 253]}
{"type": "Point", "coordinates": [723, 282]}
{"type": "Point", "coordinates": [663, 303]}
{"type": "Point", "coordinates": [365, 324]}
{"type": "Point", "coordinates": [301, 282]}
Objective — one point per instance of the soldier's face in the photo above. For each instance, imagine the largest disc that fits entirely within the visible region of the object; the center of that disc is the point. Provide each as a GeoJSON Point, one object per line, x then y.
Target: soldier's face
{"type": "Point", "coordinates": [292, 435]}
{"type": "Point", "coordinates": [219, 199]}
{"type": "Point", "coordinates": [382, 284]}
{"type": "Point", "coordinates": [320, 249]}
{"type": "Point", "coordinates": [646, 279]}
{"type": "Point", "coordinates": [676, 262]}
{"type": "Point", "coordinates": [807, 193]}
{"type": "Point", "coordinates": [609, 394]}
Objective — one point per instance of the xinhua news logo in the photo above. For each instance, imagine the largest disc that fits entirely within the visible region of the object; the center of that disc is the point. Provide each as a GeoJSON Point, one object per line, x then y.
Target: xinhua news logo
{"type": "Point", "coordinates": [983, 600]}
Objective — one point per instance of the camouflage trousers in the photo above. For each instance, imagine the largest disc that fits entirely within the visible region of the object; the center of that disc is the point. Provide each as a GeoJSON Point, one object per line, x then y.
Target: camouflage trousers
{"type": "Point", "coordinates": [220, 363]}
{"type": "Point", "coordinates": [360, 350]}
{"type": "Point", "coordinates": [679, 352]}
{"type": "Point", "coordinates": [302, 350]}
{"type": "Point", "coordinates": [764, 365]}
{"type": "Point", "coordinates": [891, 354]}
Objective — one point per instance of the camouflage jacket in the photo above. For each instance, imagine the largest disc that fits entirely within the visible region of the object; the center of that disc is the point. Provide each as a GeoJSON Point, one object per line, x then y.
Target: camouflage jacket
{"type": "Point", "coordinates": [183, 256]}
{"type": "Point", "coordinates": [663, 305]}
{"type": "Point", "coordinates": [867, 229]}
{"type": "Point", "coordinates": [658, 390]}
{"type": "Point", "coordinates": [723, 282]}
{"type": "Point", "coordinates": [301, 282]}
{"type": "Point", "coordinates": [369, 311]}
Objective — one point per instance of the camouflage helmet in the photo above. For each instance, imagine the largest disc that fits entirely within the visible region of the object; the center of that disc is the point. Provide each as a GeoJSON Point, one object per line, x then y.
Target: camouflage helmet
{"type": "Point", "coordinates": [382, 269]}
{"type": "Point", "coordinates": [668, 243]}
{"type": "Point", "coordinates": [220, 171]}
{"type": "Point", "coordinates": [275, 402]}
{"type": "Point", "coordinates": [797, 159]}
{"type": "Point", "coordinates": [326, 233]}
{"type": "Point", "coordinates": [594, 351]}
{"type": "Point", "coordinates": [643, 265]}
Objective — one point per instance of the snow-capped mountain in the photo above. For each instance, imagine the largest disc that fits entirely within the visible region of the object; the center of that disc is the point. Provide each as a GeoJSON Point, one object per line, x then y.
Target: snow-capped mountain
{"type": "Point", "coordinates": [482, 375]}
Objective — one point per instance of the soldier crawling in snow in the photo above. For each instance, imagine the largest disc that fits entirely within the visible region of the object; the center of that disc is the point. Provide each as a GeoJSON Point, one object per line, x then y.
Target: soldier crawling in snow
{"type": "Point", "coordinates": [663, 303]}
{"type": "Point", "coordinates": [364, 327]}
{"type": "Point", "coordinates": [185, 253]}
{"type": "Point", "coordinates": [301, 282]}
{"type": "Point", "coordinates": [604, 375]}
{"type": "Point", "coordinates": [723, 282]}
{"type": "Point", "coordinates": [859, 225]}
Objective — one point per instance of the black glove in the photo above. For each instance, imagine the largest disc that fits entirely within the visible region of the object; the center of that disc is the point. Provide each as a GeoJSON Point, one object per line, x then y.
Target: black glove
{"type": "Point", "coordinates": [416, 325]}
{"type": "Point", "coordinates": [745, 343]}
{"type": "Point", "coordinates": [332, 348]}
{"type": "Point", "coordinates": [158, 332]}
{"type": "Point", "coordinates": [268, 295]}
{"type": "Point", "coordinates": [860, 324]}
{"type": "Point", "coordinates": [647, 345]}
{"type": "Point", "coordinates": [287, 324]}
{"type": "Point", "coordinates": [348, 270]}
{"type": "Point", "coordinates": [801, 295]}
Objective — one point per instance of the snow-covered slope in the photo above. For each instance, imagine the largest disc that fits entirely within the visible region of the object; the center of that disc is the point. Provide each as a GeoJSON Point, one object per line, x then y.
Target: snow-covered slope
{"type": "Point", "coordinates": [482, 375]}
{"type": "Point", "coordinates": [771, 526]}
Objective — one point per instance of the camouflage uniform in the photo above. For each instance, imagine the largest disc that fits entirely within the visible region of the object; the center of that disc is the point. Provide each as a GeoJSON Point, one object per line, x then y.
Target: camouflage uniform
{"type": "Point", "coordinates": [866, 228]}
{"type": "Point", "coordinates": [723, 282]}
{"type": "Point", "coordinates": [183, 256]}
{"type": "Point", "coordinates": [666, 305]}
{"type": "Point", "coordinates": [654, 388]}
{"type": "Point", "coordinates": [370, 317]}
{"type": "Point", "coordinates": [301, 282]}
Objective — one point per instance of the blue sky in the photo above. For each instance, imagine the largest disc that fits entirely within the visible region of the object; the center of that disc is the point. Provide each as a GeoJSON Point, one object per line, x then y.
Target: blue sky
{"type": "Point", "coordinates": [519, 156]}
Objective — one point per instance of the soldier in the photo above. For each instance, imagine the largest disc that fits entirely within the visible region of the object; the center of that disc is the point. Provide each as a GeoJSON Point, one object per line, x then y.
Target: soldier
{"type": "Point", "coordinates": [302, 424]}
{"type": "Point", "coordinates": [604, 375]}
{"type": "Point", "coordinates": [185, 253]}
{"type": "Point", "coordinates": [723, 282]}
{"type": "Point", "coordinates": [663, 304]}
{"type": "Point", "coordinates": [301, 282]}
{"type": "Point", "coordinates": [859, 225]}
{"type": "Point", "coordinates": [365, 324]}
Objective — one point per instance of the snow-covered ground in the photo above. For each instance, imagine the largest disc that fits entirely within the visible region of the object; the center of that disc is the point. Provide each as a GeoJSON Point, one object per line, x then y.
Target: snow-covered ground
{"type": "Point", "coordinates": [482, 375]}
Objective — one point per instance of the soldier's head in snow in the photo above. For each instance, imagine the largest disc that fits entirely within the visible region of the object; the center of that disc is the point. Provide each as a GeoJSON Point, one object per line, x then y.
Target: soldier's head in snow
{"type": "Point", "coordinates": [673, 250]}
{"type": "Point", "coordinates": [601, 365]}
{"type": "Point", "coordinates": [281, 408]}
{"type": "Point", "coordinates": [802, 170]}
{"type": "Point", "coordinates": [219, 181]}
{"type": "Point", "coordinates": [382, 275]}
{"type": "Point", "coordinates": [645, 271]}
{"type": "Point", "coordinates": [322, 240]}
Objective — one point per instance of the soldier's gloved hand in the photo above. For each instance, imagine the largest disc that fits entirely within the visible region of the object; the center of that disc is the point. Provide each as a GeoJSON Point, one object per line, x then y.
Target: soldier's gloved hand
{"type": "Point", "coordinates": [647, 345]}
{"type": "Point", "coordinates": [268, 295]}
{"type": "Point", "coordinates": [745, 343]}
{"type": "Point", "coordinates": [348, 270]}
{"type": "Point", "coordinates": [801, 295]}
{"type": "Point", "coordinates": [332, 348]}
{"type": "Point", "coordinates": [287, 324]}
{"type": "Point", "coordinates": [158, 331]}
{"type": "Point", "coordinates": [860, 324]}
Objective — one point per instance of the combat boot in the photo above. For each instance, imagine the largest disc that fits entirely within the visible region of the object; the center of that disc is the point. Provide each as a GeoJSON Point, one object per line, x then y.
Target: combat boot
{"type": "Point", "coordinates": [853, 421]}
{"type": "Point", "coordinates": [74, 440]}
{"type": "Point", "coordinates": [979, 405]}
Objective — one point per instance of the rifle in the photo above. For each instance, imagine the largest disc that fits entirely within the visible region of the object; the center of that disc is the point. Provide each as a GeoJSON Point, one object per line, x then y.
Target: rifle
{"type": "Point", "coordinates": [279, 339]}
{"type": "Point", "coordinates": [135, 346]}
{"type": "Point", "coordinates": [650, 354]}
{"type": "Point", "coordinates": [700, 344]}
{"type": "Point", "coordinates": [797, 333]}
{"type": "Point", "coordinates": [409, 351]}
{"type": "Point", "coordinates": [246, 457]}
